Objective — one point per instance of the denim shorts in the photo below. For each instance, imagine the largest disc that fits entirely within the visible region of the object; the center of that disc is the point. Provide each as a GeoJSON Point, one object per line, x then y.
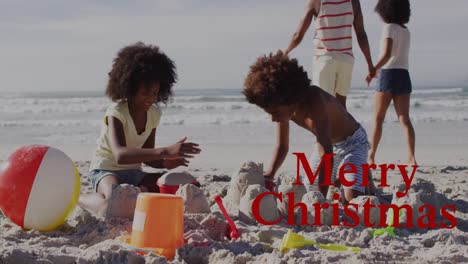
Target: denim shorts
{"type": "Point", "coordinates": [394, 81]}
{"type": "Point", "coordinates": [132, 177]}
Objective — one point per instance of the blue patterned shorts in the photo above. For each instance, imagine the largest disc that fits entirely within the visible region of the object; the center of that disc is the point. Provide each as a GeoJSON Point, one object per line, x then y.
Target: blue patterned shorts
{"type": "Point", "coordinates": [132, 177]}
{"type": "Point", "coordinates": [353, 150]}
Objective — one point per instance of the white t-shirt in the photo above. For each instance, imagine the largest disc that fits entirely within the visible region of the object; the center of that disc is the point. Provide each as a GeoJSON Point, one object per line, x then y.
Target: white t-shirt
{"type": "Point", "coordinates": [103, 158]}
{"type": "Point", "coordinates": [401, 45]}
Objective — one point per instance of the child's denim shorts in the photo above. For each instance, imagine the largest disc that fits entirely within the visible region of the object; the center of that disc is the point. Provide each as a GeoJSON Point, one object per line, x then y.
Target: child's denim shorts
{"type": "Point", "coordinates": [132, 177]}
{"type": "Point", "coordinates": [394, 81]}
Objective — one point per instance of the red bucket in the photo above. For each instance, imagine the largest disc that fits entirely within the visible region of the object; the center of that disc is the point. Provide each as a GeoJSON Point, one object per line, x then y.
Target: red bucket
{"type": "Point", "coordinates": [172, 189]}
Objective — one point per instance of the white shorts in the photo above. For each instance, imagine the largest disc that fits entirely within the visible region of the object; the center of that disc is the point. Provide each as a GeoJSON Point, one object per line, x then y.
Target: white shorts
{"type": "Point", "coordinates": [332, 75]}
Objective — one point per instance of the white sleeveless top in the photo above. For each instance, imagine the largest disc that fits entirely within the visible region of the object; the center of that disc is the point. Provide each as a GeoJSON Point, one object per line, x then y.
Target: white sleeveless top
{"type": "Point", "coordinates": [333, 32]}
{"type": "Point", "coordinates": [103, 158]}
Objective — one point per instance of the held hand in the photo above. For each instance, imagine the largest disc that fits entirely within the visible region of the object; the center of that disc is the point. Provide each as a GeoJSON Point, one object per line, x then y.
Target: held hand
{"type": "Point", "coordinates": [371, 75]}
{"type": "Point", "coordinates": [372, 71]}
{"type": "Point", "coordinates": [174, 163]}
{"type": "Point", "coordinates": [182, 149]}
{"type": "Point", "coordinates": [368, 80]}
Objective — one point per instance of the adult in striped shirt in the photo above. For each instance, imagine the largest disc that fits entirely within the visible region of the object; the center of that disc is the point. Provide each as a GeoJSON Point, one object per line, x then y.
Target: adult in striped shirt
{"type": "Point", "coordinates": [333, 58]}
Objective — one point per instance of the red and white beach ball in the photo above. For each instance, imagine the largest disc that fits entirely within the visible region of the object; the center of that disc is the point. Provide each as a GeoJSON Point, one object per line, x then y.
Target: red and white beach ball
{"type": "Point", "coordinates": [39, 187]}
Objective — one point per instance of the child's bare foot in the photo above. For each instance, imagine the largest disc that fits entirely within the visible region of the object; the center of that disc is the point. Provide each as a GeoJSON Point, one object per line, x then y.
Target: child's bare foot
{"type": "Point", "coordinates": [102, 209]}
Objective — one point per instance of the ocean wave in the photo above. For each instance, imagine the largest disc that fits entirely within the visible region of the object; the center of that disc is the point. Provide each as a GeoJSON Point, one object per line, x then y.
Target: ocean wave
{"type": "Point", "coordinates": [97, 106]}
{"type": "Point", "coordinates": [439, 91]}
{"type": "Point", "coordinates": [229, 98]}
{"type": "Point", "coordinates": [216, 109]}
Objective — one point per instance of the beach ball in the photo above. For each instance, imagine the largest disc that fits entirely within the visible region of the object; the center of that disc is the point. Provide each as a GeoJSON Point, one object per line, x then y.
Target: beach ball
{"type": "Point", "coordinates": [39, 187]}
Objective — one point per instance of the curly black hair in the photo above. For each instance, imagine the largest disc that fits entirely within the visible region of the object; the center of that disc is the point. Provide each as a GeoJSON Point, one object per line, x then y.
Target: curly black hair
{"type": "Point", "coordinates": [394, 11]}
{"type": "Point", "coordinates": [275, 80]}
{"type": "Point", "coordinates": [138, 65]}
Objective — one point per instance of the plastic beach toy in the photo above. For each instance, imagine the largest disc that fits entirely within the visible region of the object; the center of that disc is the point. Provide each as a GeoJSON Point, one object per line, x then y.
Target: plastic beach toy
{"type": "Point", "coordinates": [158, 224]}
{"type": "Point", "coordinates": [390, 229]}
{"type": "Point", "coordinates": [234, 232]}
{"type": "Point", "coordinates": [39, 187]}
{"type": "Point", "coordinates": [172, 189]}
{"type": "Point", "coordinates": [292, 240]}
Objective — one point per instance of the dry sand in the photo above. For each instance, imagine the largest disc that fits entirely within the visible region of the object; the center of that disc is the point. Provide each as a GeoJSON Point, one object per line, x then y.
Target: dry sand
{"type": "Point", "coordinates": [87, 239]}
{"type": "Point", "coordinates": [195, 202]}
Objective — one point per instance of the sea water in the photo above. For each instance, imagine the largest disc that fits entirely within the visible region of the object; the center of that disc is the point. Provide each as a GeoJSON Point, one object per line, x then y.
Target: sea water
{"type": "Point", "coordinates": [215, 116]}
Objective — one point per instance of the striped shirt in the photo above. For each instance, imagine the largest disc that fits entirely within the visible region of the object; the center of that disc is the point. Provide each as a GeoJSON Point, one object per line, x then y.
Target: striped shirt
{"type": "Point", "coordinates": [333, 32]}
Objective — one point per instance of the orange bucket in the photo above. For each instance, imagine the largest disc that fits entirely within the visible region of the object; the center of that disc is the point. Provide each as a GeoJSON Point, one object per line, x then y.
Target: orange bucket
{"type": "Point", "coordinates": [158, 223]}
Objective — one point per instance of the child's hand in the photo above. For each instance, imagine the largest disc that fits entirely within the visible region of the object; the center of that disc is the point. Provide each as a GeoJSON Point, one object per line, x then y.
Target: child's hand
{"type": "Point", "coordinates": [370, 76]}
{"type": "Point", "coordinates": [372, 71]}
{"type": "Point", "coordinates": [182, 150]}
{"type": "Point", "coordinates": [172, 164]}
{"type": "Point", "coordinates": [269, 181]}
{"type": "Point", "coordinates": [268, 175]}
{"type": "Point", "coordinates": [369, 80]}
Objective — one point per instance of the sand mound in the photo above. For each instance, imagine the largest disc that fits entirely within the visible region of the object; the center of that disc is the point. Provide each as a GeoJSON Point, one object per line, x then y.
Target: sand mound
{"type": "Point", "coordinates": [250, 173]}
{"type": "Point", "coordinates": [414, 201]}
{"type": "Point", "coordinates": [215, 227]}
{"type": "Point", "coordinates": [122, 201]}
{"type": "Point", "coordinates": [374, 212]}
{"type": "Point", "coordinates": [309, 199]}
{"type": "Point", "coordinates": [195, 201]}
{"type": "Point", "coordinates": [298, 190]}
{"type": "Point", "coordinates": [427, 194]}
{"type": "Point", "coordinates": [176, 178]}
{"type": "Point", "coordinates": [268, 207]}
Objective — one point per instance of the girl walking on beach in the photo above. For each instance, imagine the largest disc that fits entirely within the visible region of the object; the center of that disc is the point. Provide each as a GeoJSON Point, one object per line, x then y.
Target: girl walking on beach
{"type": "Point", "coordinates": [141, 77]}
{"type": "Point", "coordinates": [394, 83]}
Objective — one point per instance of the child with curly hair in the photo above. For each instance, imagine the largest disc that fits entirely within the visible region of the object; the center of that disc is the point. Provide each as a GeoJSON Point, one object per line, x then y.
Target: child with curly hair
{"type": "Point", "coordinates": [281, 87]}
{"type": "Point", "coordinates": [141, 77]}
{"type": "Point", "coordinates": [394, 83]}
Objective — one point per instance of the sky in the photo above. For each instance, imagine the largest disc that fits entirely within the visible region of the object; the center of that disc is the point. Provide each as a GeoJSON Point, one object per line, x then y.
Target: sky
{"type": "Point", "coordinates": [56, 45]}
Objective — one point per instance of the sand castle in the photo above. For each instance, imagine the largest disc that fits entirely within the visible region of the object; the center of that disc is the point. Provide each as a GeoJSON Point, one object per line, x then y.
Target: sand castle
{"type": "Point", "coordinates": [122, 202]}
{"type": "Point", "coordinates": [374, 212]}
{"type": "Point", "coordinates": [268, 207]}
{"type": "Point", "coordinates": [298, 190]}
{"type": "Point", "coordinates": [309, 199]}
{"type": "Point", "coordinates": [195, 201]}
{"type": "Point", "coordinates": [248, 174]}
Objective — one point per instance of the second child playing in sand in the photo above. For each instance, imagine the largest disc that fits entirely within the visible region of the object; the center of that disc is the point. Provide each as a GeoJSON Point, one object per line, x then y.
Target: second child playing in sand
{"type": "Point", "coordinates": [281, 87]}
{"type": "Point", "coordinates": [141, 77]}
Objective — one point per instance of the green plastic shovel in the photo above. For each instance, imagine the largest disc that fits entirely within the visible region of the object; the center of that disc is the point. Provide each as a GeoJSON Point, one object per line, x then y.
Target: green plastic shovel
{"type": "Point", "coordinates": [390, 229]}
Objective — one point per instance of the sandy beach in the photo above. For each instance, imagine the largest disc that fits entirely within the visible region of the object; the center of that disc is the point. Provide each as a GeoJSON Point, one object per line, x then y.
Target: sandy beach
{"type": "Point", "coordinates": [231, 132]}
{"type": "Point", "coordinates": [87, 239]}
